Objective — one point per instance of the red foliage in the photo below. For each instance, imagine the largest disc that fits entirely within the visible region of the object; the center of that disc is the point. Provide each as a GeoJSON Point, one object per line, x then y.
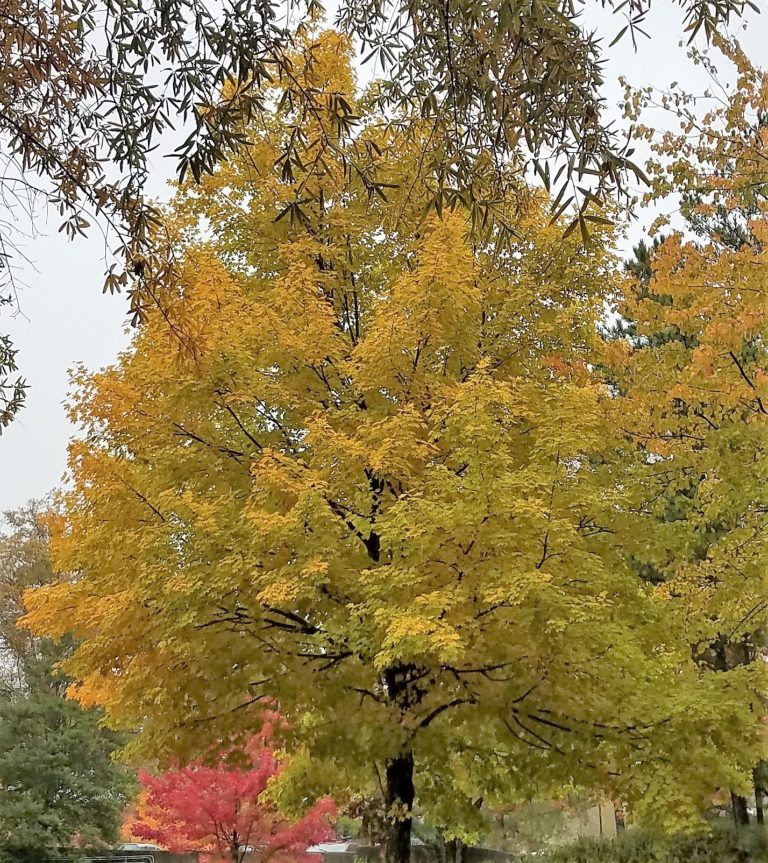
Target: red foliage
{"type": "Point", "coordinates": [219, 811]}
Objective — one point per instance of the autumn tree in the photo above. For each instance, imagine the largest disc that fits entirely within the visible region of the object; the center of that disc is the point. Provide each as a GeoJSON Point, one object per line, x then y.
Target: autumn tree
{"type": "Point", "coordinates": [387, 494]}
{"type": "Point", "coordinates": [225, 811]}
{"type": "Point", "coordinates": [692, 369]}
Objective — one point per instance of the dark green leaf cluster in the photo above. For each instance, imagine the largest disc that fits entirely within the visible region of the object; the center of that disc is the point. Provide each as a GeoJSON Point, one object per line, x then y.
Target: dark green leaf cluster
{"type": "Point", "coordinates": [57, 778]}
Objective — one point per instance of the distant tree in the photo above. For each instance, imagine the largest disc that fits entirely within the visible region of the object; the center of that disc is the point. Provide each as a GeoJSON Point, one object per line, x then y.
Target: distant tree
{"type": "Point", "coordinates": [58, 783]}
{"type": "Point", "coordinates": [226, 811]}
{"type": "Point", "coordinates": [26, 661]}
{"type": "Point", "coordinates": [57, 778]}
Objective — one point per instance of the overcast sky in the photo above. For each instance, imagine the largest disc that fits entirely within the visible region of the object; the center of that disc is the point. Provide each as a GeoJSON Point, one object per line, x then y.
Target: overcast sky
{"type": "Point", "coordinates": [66, 320]}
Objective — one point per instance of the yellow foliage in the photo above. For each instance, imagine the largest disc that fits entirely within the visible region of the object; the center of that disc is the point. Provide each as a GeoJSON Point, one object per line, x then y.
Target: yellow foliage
{"type": "Point", "coordinates": [387, 494]}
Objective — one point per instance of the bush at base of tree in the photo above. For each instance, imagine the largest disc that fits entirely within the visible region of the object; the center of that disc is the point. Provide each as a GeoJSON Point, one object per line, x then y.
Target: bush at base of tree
{"type": "Point", "coordinates": [721, 844]}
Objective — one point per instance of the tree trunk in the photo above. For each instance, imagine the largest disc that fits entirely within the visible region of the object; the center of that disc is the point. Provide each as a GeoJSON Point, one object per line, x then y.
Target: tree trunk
{"type": "Point", "coordinates": [740, 812]}
{"type": "Point", "coordinates": [236, 853]}
{"type": "Point", "coordinates": [758, 799]}
{"type": "Point", "coordinates": [399, 802]}
{"type": "Point", "coordinates": [455, 851]}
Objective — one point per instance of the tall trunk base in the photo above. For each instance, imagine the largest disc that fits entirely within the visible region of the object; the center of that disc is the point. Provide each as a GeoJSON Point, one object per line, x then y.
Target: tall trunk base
{"type": "Point", "coordinates": [740, 811]}
{"type": "Point", "coordinates": [399, 800]}
{"type": "Point", "coordinates": [455, 851]}
{"type": "Point", "coordinates": [759, 802]}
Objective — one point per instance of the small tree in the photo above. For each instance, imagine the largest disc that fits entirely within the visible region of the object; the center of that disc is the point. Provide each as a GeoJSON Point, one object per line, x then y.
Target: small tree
{"type": "Point", "coordinates": [226, 811]}
{"type": "Point", "coordinates": [58, 782]}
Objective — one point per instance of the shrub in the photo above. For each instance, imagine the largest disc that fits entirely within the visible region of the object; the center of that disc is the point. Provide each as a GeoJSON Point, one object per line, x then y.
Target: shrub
{"type": "Point", "coordinates": [719, 844]}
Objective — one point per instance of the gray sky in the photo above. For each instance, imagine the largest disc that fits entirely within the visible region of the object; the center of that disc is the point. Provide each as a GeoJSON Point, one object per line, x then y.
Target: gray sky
{"type": "Point", "coordinates": [66, 320]}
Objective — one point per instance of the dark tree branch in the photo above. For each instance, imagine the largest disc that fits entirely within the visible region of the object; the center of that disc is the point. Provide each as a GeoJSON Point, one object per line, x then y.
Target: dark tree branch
{"type": "Point", "coordinates": [243, 429]}
{"type": "Point", "coordinates": [433, 714]}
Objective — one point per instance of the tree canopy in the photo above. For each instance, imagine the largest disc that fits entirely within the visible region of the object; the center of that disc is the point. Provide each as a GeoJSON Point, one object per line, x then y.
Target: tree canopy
{"type": "Point", "coordinates": [92, 88]}
{"type": "Point", "coordinates": [390, 492]}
